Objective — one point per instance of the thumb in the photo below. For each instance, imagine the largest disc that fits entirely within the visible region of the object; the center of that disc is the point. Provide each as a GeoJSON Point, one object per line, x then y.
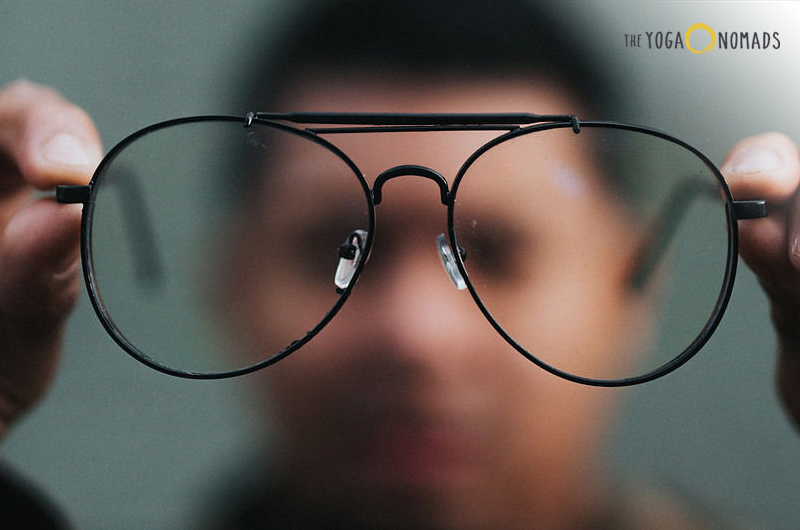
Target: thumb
{"type": "Point", "coordinates": [767, 166]}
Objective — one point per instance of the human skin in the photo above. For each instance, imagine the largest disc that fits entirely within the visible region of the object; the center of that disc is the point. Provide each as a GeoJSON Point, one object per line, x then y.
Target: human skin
{"type": "Point", "coordinates": [408, 361]}
{"type": "Point", "coordinates": [44, 141]}
{"type": "Point", "coordinates": [769, 165]}
{"type": "Point", "coordinates": [408, 408]}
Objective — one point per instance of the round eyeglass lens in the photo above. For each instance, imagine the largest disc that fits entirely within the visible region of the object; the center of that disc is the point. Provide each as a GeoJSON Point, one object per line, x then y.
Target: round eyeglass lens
{"type": "Point", "coordinates": [603, 254]}
{"type": "Point", "coordinates": [208, 256]}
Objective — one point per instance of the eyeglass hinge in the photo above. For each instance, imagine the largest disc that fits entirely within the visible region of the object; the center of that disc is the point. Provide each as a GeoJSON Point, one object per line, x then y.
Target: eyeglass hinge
{"type": "Point", "coordinates": [576, 123]}
{"type": "Point", "coordinates": [754, 209]}
{"type": "Point", "coordinates": [72, 194]}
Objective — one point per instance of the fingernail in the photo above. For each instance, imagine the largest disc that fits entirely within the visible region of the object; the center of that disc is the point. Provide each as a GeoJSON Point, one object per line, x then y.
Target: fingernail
{"type": "Point", "coordinates": [65, 149]}
{"type": "Point", "coordinates": [753, 160]}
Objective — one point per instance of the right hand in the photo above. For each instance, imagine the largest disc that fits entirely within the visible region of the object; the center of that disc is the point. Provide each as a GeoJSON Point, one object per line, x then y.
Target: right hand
{"type": "Point", "coordinates": [44, 141]}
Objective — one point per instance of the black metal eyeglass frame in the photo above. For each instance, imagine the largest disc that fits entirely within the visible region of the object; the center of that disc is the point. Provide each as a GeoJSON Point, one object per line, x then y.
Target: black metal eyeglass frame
{"type": "Point", "coordinates": [356, 249]}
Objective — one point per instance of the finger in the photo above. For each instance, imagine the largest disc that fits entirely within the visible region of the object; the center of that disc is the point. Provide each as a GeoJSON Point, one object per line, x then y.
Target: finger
{"type": "Point", "coordinates": [764, 167]}
{"type": "Point", "coordinates": [39, 284]}
{"type": "Point", "coordinates": [767, 167]}
{"type": "Point", "coordinates": [39, 259]}
{"type": "Point", "coordinates": [44, 139]}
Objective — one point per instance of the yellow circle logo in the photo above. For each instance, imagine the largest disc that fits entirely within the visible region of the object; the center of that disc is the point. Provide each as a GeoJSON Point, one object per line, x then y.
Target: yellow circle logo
{"type": "Point", "coordinates": [710, 31]}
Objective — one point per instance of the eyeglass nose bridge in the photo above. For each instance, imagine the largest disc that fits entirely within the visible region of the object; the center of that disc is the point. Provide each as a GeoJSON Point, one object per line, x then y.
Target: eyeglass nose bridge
{"type": "Point", "coordinates": [410, 170]}
{"type": "Point", "coordinates": [445, 252]}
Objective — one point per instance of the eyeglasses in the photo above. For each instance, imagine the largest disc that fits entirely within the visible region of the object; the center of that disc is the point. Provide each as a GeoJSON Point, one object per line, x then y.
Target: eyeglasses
{"type": "Point", "coordinates": [197, 228]}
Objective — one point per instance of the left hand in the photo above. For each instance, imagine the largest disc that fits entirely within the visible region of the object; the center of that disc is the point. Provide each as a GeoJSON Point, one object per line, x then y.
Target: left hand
{"type": "Point", "coordinates": [768, 167]}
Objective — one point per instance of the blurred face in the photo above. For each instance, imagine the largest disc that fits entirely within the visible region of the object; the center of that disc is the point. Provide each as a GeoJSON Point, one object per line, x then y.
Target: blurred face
{"type": "Point", "coordinates": [408, 409]}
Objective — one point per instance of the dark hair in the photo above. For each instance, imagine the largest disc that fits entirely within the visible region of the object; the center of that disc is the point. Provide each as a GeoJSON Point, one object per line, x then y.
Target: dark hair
{"type": "Point", "coordinates": [426, 37]}
{"type": "Point", "coordinates": [398, 39]}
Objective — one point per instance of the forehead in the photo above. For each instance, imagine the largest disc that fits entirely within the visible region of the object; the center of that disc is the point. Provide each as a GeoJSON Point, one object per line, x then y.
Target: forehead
{"type": "Point", "coordinates": [361, 90]}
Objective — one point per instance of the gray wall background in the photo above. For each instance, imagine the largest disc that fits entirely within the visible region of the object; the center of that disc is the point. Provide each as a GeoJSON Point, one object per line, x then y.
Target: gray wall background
{"type": "Point", "coordinates": [121, 446]}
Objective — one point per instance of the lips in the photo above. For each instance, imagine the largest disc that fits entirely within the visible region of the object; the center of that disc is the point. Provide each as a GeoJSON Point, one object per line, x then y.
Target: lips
{"type": "Point", "coordinates": [420, 451]}
{"type": "Point", "coordinates": [395, 429]}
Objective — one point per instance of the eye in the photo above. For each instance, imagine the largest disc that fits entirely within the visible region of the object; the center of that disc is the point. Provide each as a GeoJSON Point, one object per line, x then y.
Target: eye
{"type": "Point", "coordinates": [495, 251]}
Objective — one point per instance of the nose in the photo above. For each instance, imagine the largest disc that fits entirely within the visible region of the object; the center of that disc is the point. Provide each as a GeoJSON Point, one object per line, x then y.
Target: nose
{"type": "Point", "coordinates": [405, 304]}
{"type": "Point", "coordinates": [411, 310]}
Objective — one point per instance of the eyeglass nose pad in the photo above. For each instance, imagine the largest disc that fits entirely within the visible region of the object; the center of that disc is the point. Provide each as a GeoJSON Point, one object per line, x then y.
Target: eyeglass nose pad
{"type": "Point", "coordinates": [449, 262]}
{"type": "Point", "coordinates": [350, 254]}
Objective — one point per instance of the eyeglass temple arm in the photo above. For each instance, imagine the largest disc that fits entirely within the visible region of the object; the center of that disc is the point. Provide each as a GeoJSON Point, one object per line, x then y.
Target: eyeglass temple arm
{"type": "Point", "coordinates": [148, 267]}
{"type": "Point", "coordinates": [663, 228]}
